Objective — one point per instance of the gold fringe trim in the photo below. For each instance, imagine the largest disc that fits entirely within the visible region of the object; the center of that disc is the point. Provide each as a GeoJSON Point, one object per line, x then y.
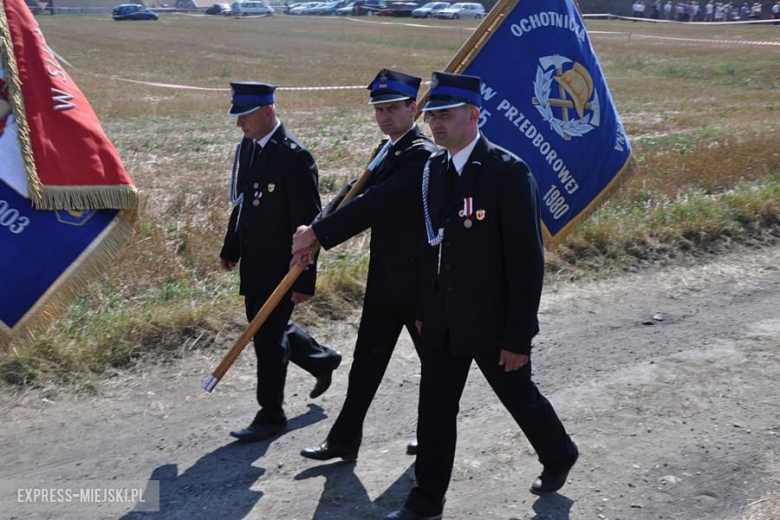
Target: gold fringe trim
{"type": "Point", "coordinates": [90, 265]}
{"type": "Point", "coordinates": [88, 197]}
{"type": "Point", "coordinates": [628, 169]}
{"type": "Point", "coordinates": [17, 107]}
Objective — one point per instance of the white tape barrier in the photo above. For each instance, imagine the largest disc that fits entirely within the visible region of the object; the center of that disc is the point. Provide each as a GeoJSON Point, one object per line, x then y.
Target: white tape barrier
{"type": "Point", "coordinates": [418, 25]}
{"type": "Point", "coordinates": [215, 89]}
{"type": "Point", "coordinates": [687, 24]}
{"type": "Point", "coordinates": [697, 40]}
{"type": "Point", "coordinates": [648, 36]}
{"type": "Point", "coordinates": [706, 40]}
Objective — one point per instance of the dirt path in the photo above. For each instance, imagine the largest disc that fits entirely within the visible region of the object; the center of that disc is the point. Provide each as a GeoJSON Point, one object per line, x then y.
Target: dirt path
{"type": "Point", "coordinates": [675, 419]}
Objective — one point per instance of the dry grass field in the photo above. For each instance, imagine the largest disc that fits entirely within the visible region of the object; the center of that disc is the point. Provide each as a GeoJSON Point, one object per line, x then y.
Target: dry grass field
{"type": "Point", "coordinates": [703, 118]}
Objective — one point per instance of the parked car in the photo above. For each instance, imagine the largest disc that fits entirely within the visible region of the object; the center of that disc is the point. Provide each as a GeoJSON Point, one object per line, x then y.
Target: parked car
{"type": "Point", "coordinates": [132, 12]}
{"type": "Point", "coordinates": [430, 9]}
{"type": "Point", "coordinates": [305, 8]}
{"type": "Point", "coordinates": [347, 10]}
{"type": "Point", "coordinates": [398, 9]}
{"type": "Point", "coordinates": [328, 8]}
{"type": "Point", "coordinates": [252, 8]}
{"type": "Point", "coordinates": [287, 6]}
{"type": "Point", "coordinates": [368, 7]}
{"type": "Point", "coordinates": [218, 9]}
{"type": "Point", "coordinates": [462, 10]}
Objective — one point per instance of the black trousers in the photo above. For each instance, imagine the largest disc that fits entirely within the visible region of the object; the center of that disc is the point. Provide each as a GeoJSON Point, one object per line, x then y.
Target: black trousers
{"type": "Point", "coordinates": [380, 326]}
{"type": "Point", "coordinates": [278, 342]}
{"type": "Point", "coordinates": [443, 379]}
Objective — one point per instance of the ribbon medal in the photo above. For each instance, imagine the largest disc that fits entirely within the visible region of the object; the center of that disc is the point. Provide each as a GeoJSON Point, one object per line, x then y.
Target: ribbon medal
{"type": "Point", "coordinates": [468, 209]}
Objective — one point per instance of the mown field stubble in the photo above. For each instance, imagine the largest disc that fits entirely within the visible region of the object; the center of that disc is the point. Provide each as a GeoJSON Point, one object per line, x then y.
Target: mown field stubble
{"type": "Point", "coordinates": [703, 118]}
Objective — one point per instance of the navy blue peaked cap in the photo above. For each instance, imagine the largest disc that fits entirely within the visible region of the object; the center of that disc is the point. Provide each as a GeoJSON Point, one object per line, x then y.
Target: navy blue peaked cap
{"type": "Point", "coordinates": [248, 96]}
{"type": "Point", "coordinates": [453, 90]}
{"type": "Point", "coordinates": [390, 85]}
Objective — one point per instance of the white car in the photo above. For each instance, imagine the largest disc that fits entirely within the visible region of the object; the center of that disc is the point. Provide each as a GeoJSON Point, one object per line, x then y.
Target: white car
{"type": "Point", "coordinates": [252, 8]}
{"type": "Point", "coordinates": [462, 10]}
{"type": "Point", "coordinates": [430, 9]}
{"type": "Point", "coordinates": [305, 8]}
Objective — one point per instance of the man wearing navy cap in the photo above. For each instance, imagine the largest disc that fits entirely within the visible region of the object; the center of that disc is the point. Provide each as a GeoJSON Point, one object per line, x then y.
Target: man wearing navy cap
{"type": "Point", "coordinates": [273, 191]}
{"type": "Point", "coordinates": [482, 281]}
{"type": "Point", "coordinates": [392, 208]}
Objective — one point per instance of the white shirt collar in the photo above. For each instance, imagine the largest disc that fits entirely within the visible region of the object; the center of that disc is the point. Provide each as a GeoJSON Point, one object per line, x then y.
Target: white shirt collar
{"type": "Point", "coordinates": [264, 141]}
{"type": "Point", "coordinates": [393, 142]}
{"type": "Point", "coordinates": [460, 158]}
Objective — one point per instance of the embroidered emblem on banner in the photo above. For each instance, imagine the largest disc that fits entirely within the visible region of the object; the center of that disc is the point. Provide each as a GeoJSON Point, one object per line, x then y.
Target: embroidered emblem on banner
{"type": "Point", "coordinates": [575, 87]}
{"type": "Point", "coordinates": [74, 217]}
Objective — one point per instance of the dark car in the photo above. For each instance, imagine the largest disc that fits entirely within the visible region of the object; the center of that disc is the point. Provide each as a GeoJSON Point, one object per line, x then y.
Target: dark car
{"type": "Point", "coordinates": [368, 7]}
{"type": "Point", "coordinates": [132, 12]}
{"type": "Point", "coordinates": [329, 8]}
{"type": "Point", "coordinates": [398, 9]}
{"type": "Point", "coordinates": [218, 9]}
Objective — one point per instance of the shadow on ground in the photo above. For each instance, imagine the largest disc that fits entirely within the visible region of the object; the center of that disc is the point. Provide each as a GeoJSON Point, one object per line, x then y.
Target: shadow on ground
{"type": "Point", "coordinates": [344, 496]}
{"type": "Point", "coordinates": [219, 484]}
{"type": "Point", "coordinates": [552, 507]}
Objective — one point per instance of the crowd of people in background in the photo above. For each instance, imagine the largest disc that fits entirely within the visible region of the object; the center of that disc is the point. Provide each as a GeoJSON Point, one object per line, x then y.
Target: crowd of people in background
{"type": "Point", "coordinates": [699, 12]}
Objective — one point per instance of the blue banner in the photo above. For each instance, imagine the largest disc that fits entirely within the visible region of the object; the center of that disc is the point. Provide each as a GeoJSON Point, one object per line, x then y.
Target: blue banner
{"type": "Point", "coordinates": [546, 100]}
{"type": "Point", "coordinates": [41, 251]}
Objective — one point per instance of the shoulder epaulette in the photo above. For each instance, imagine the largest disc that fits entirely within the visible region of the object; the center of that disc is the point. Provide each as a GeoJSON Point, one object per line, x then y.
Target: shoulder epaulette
{"type": "Point", "coordinates": [506, 155]}
{"type": "Point", "coordinates": [289, 143]}
{"type": "Point", "coordinates": [418, 144]}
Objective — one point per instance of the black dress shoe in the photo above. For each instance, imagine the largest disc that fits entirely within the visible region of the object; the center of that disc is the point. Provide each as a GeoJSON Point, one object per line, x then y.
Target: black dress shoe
{"type": "Point", "coordinates": [323, 382]}
{"type": "Point", "coordinates": [327, 450]}
{"type": "Point", "coordinates": [259, 431]}
{"type": "Point", "coordinates": [407, 514]}
{"type": "Point", "coordinates": [411, 448]}
{"type": "Point", "coordinates": [550, 482]}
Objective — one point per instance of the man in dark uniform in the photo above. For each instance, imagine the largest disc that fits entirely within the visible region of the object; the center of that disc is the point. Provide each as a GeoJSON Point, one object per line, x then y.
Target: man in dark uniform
{"type": "Point", "coordinates": [273, 191]}
{"type": "Point", "coordinates": [483, 277]}
{"type": "Point", "coordinates": [392, 208]}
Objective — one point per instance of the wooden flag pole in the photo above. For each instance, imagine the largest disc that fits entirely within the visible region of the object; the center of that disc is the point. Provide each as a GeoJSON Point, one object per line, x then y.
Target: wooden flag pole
{"type": "Point", "coordinates": [283, 288]}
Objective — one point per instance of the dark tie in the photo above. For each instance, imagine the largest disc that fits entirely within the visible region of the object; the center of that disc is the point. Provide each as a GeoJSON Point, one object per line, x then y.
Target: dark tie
{"type": "Point", "coordinates": [257, 150]}
{"type": "Point", "coordinates": [450, 179]}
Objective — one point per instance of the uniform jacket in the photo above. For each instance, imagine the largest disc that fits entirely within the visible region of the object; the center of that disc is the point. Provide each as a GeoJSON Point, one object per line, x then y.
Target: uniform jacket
{"type": "Point", "coordinates": [490, 281]}
{"type": "Point", "coordinates": [283, 179]}
{"type": "Point", "coordinates": [392, 208]}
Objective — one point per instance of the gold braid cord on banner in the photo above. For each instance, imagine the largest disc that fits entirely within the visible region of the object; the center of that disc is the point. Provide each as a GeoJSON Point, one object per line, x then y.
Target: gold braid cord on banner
{"type": "Point", "coordinates": [14, 85]}
{"type": "Point", "coordinates": [463, 59]}
{"type": "Point", "coordinates": [94, 259]}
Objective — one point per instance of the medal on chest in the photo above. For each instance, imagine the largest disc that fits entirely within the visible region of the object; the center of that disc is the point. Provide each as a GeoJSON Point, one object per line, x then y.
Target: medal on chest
{"type": "Point", "coordinates": [466, 212]}
{"type": "Point", "coordinates": [257, 195]}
